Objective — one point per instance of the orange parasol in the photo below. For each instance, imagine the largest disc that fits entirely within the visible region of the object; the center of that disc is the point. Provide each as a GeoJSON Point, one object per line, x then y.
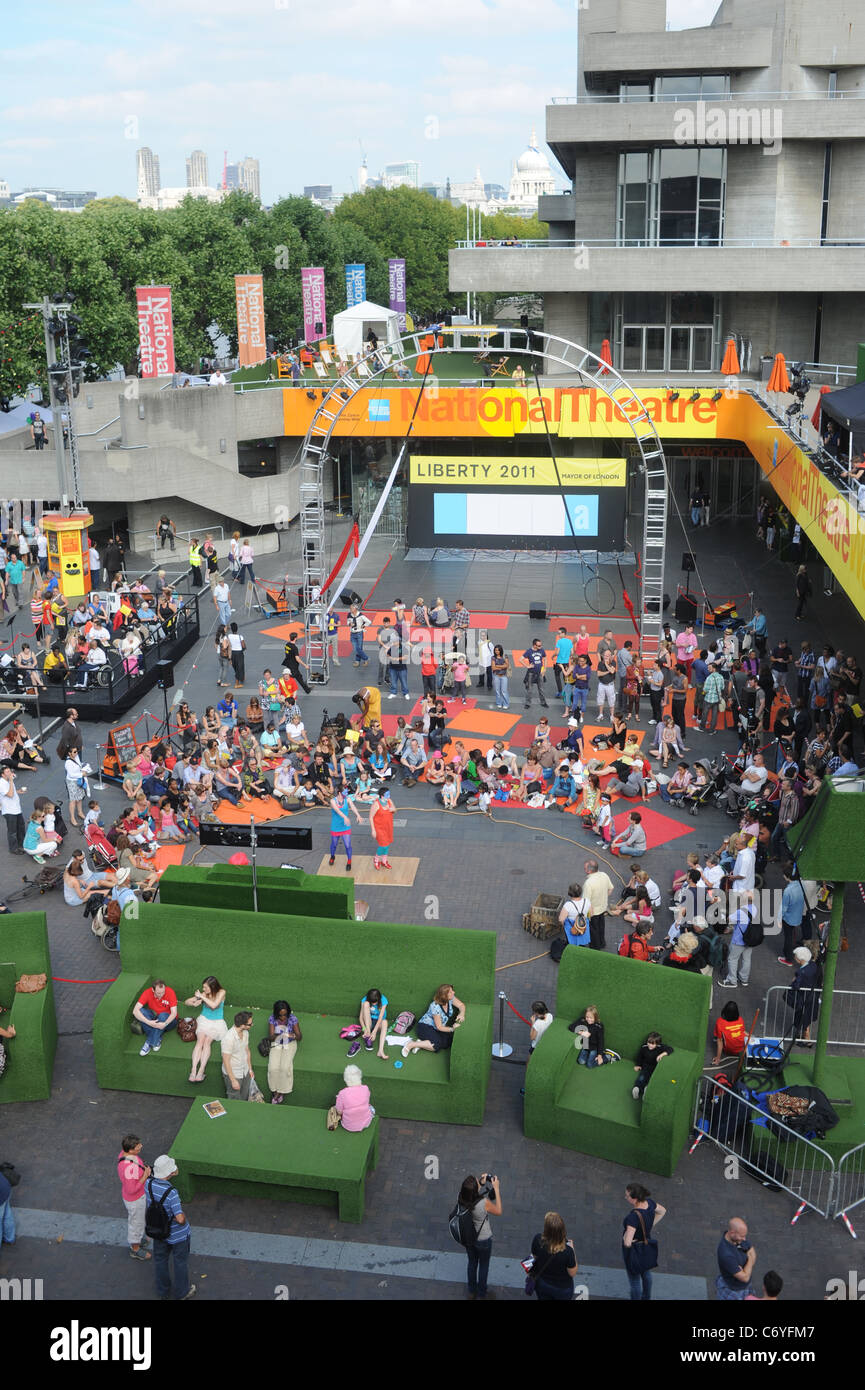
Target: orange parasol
{"type": "Point", "coordinates": [778, 379]}
{"type": "Point", "coordinates": [606, 355]}
{"type": "Point", "coordinates": [730, 365]}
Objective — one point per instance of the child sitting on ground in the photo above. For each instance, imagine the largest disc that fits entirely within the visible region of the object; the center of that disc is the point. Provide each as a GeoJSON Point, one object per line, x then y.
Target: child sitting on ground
{"type": "Point", "coordinates": [650, 1054]}
{"type": "Point", "coordinates": [729, 1033]}
{"type": "Point", "coordinates": [450, 791]}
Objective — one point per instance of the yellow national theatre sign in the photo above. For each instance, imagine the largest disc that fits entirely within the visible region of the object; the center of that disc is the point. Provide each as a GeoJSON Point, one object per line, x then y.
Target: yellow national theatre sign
{"type": "Point", "coordinates": [517, 472]}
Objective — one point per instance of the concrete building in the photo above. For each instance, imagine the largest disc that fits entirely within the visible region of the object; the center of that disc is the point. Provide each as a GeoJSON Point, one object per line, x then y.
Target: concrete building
{"type": "Point", "coordinates": [173, 197]}
{"type": "Point", "coordinates": [716, 178]}
{"type": "Point", "coordinates": [65, 199]}
{"type": "Point", "coordinates": [148, 180]}
{"type": "Point", "coordinates": [318, 190]}
{"type": "Point", "coordinates": [249, 176]}
{"type": "Point", "coordinates": [196, 170]}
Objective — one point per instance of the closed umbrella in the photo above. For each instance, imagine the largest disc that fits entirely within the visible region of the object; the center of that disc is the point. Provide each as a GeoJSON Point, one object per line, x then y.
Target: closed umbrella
{"type": "Point", "coordinates": [778, 379]}
{"type": "Point", "coordinates": [730, 365]}
{"type": "Point", "coordinates": [818, 409]}
{"type": "Point", "coordinates": [606, 356]}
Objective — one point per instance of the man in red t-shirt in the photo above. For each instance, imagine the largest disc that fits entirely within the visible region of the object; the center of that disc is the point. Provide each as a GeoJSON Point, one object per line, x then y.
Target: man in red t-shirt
{"type": "Point", "coordinates": [156, 1011]}
{"type": "Point", "coordinates": [729, 1033]}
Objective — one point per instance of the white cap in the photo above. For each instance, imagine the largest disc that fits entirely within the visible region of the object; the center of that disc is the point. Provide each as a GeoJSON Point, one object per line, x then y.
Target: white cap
{"type": "Point", "coordinates": [164, 1166]}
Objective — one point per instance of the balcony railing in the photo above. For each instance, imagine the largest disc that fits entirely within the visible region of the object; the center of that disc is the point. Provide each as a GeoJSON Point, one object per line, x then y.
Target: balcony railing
{"type": "Point", "coordinates": [751, 97]}
{"type": "Point", "coordinates": [610, 243]}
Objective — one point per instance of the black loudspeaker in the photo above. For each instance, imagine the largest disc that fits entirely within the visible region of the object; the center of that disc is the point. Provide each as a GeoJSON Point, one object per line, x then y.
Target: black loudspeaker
{"type": "Point", "coordinates": [318, 328]}
{"type": "Point", "coordinates": [686, 609]}
{"type": "Point", "coordinates": [164, 675]}
{"type": "Point", "coordinates": [689, 563]}
{"type": "Point", "coordinates": [266, 836]}
{"type": "Point", "coordinates": [348, 597]}
{"type": "Point", "coordinates": [652, 604]}
{"type": "Point", "coordinates": [537, 612]}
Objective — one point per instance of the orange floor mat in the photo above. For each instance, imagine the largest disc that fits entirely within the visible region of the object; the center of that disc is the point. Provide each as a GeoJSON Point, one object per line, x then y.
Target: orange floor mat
{"type": "Point", "coordinates": [168, 854]}
{"type": "Point", "coordinates": [484, 721]}
{"type": "Point", "coordinates": [260, 810]}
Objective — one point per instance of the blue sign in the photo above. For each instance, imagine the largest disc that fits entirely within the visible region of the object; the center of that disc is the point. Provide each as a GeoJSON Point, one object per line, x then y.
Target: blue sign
{"type": "Point", "coordinates": [355, 285]}
{"type": "Point", "coordinates": [379, 410]}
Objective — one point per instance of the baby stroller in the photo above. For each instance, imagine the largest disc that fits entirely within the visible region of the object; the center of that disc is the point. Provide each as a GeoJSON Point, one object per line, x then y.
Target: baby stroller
{"type": "Point", "coordinates": [701, 796]}
{"type": "Point", "coordinates": [104, 853]}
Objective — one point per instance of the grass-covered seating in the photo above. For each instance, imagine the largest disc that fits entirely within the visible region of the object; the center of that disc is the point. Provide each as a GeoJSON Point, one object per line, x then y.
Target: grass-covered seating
{"type": "Point", "coordinates": [592, 1109]}
{"type": "Point", "coordinates": [288, 891]}
{"type": "Point", "coordinates": [322, 967]}
{"type": "Point", "coordinates": [24, 951]}
{"type": "Point", "coordinates": [284, 1152]}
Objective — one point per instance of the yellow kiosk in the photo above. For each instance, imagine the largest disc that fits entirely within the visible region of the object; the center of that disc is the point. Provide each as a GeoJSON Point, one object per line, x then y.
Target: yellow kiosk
{"type": "Point", "coordinates": [67, 551]}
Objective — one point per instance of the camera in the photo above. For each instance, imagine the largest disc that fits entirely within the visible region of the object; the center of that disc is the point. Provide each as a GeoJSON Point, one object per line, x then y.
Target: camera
{"type": "Point", "coordinates": [485, 1187]}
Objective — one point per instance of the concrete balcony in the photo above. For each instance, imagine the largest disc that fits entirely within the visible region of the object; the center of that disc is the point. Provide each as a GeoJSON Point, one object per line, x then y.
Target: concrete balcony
{"type": "Point", "coordinates": [719, 48]}
{"type": "Point", "coordinates": [557, 207]}
{"type": "Point", "coordinates": [745, 118]}
{"type": "Point", "coordinates": [578, 268]}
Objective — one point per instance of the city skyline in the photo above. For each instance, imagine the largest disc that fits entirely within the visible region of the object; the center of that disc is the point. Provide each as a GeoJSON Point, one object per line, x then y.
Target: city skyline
{"type": "Point", "coordinates": [109, 97]}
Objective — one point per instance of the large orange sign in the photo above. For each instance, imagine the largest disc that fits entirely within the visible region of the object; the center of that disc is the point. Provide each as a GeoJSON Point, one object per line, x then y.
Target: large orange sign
{"type": "Point", "coordinates": [251, 338]}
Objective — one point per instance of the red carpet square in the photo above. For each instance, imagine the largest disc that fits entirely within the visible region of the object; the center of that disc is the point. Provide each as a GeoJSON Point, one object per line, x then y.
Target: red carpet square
{"type": "Point", "coordinates": [660, 830]}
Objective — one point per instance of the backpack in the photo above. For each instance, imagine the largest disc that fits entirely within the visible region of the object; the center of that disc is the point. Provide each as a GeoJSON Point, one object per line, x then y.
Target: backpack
{"type": "Point", "coordinates": [753, 933]}
{"type": "Point", "coordinates": [462, 1227]}
{"type": "Point", "coordinates": [403, 1023]}
{"type": "Point", "coordinates": [626, 948]}
{"type": "Point", "coordinates": [580, 924]}
{"type": "Point", "coordinates": [157, 1221]}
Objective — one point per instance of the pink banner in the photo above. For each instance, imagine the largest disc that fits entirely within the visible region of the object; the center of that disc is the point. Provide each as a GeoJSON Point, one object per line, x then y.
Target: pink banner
{"type": "Point", "coordinates": [314, 320]}
{"type": "Point", "coordinates": [155, 330]}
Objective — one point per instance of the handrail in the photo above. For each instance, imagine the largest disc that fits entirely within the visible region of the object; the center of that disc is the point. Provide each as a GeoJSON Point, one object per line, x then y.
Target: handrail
{"type": "Point", "coordinates": [668, 244]}
{"type": "Point", "coordinates": [616, 99]}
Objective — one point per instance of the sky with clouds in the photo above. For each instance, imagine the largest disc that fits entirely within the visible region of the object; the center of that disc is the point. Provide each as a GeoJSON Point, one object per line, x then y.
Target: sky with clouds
{"type": "Point", "coordinates": [456, 85]}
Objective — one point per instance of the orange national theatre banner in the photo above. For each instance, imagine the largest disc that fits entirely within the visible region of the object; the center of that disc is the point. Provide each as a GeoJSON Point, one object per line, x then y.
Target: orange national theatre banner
{"type": "Point", "coordinates": [251, 337]}
{"type": "Point", "coordinates": [469, 412]}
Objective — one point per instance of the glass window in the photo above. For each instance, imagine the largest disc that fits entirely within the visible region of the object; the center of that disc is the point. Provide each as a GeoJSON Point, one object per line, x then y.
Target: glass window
{"type": "Point", "coordinates": [655, 349]}
{"type": "Point", "coordinates": [702, 349]}
{"type": "Point", "coordinates": [691, 308]}
{"type": "Point", "coordinates": [680, 349]}
{"type": "Point", "coordinates": [600, 319]}
{"type": "Point", "coordinates": [632, 350]}
{"type": "Point", "coordinates": [645, 308]}
{"type": "Point", "coordinates": [682, 87]}
{"type": "Point", "coordinates": [635, 91]}
{"type": "Point", "coordinates": [715, 85]}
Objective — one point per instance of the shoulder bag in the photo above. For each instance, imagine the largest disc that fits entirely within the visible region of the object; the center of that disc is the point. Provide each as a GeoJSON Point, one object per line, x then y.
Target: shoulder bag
{"type": "Point", "coordinates": [643, 1254]}
{"type": "Point", "coordinates": [532, 1279]}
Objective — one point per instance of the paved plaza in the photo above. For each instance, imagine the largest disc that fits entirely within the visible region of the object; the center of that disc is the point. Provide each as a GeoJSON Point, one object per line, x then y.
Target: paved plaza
{"type": "Point", "coordinates": [470, 873]}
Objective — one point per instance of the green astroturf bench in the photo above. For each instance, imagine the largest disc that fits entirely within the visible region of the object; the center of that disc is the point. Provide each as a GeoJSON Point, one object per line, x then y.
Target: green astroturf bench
{"type": "Point", "coordinates": [24, 951]}
{"type": "Point", "coordinates": [279, 890]}
{"type": "Point", "coordinates": [592, 1109]}
{"type": "Point", "coordinates": [284, 1152]}
{"type": "Point", "coordinates": [322, 967]}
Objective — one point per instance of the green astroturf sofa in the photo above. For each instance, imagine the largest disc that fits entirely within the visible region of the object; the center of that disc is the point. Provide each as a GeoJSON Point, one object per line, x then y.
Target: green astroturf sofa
{"type": "Point", "coordinates": [24, 951]}
{"type": "Point", "coordinates": [592, 1110]}
{"type": "Point", "coordinates": [322, 966]}
{"type": "Point", "coordinates": [289, 891]}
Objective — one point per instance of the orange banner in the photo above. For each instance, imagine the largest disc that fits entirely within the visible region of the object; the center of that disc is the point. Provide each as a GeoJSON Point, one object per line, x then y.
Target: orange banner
{"type": "Point", "coordinates": [251, 337]}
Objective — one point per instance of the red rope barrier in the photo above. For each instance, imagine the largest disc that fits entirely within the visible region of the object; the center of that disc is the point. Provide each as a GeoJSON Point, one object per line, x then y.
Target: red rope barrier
{"type": "Point", "coordinates": [526, 1021]}
{"type": "Point", "coordinates": [63, 981]}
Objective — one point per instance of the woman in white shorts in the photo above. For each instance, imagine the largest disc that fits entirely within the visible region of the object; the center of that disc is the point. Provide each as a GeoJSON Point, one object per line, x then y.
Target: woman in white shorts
{"type": "Point", "coordinates": [210, 1026]}
{"type": "Point", "coordinates": [76, 787]}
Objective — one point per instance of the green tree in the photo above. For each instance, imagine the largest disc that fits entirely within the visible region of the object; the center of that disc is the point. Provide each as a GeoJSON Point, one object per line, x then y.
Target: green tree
{"type": "Point", "coordinates": [421, 229]}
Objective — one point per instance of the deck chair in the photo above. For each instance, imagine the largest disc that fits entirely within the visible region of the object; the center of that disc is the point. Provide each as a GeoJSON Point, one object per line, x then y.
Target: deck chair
{"type": "Point", "coordinates": [320, 370]}
{"type": "Point", "coordinates": [326, 355]}
{"type": "Point", "coordinates": [362, 369]}
{"type": "Point", "coordinates": [385, 357]}
{"type": "Point", "coordinates": [483, 355]}
{"type": "Point", "coordinates": [500, 368]}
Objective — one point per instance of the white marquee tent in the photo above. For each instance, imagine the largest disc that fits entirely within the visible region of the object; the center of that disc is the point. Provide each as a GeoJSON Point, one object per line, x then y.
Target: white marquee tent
{"type": "Point", "coordinates": [351, 327]}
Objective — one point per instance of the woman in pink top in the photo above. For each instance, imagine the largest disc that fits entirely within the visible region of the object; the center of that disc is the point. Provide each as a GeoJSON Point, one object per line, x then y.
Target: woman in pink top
{"type": "Point", "coordinates": [133, 1173]}
{"type": "Point", "coordinates": [686, 646]}
{"type": "Point", "coordinates": [352, 1102]}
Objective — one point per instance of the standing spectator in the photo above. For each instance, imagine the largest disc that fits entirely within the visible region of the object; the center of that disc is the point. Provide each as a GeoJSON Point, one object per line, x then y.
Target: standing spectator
{"type": "Point", "coordinates": [758, 629]}
{"type": "Point", "coordinates": [428, 669]}
{"type": "Point", "coordinates": [534, 660]}
{"type": "Point", "coordinates": [14, 577]}
{"type": "Point", "coordinates": [686, 646]}
{"type": "Point", "coordinates": [485, 661]}
{"type": "Point", "coordinates": [782, 655]}
{"type": "Point", "coordinates": [166, 531]}
{"type": "Point", "coordinates": [804, 590]}
{"type": "Point", "coordinates": [386, 635]}
{"type": "Point", "coordinates": [739, 958]}
{"type": "Point", "coordinates": [10, 806]}
{"type": "Point", "coordinates": [656, 681]}
{"type": "Point", "coordinates": [597, 887]}
{"type": "Point", "coordinates": [501, 669]}
{"type": "Point", "coordinates": [237, 645]}
{"type": "Point", "coordinates": [398, 667]}
{"type": "Point", "coordinates": [76, 786]}
{"type": "Point", "coordinates": [236, 1061]}
{"type": "Point", "coordinates": [636, 1234]}
{"type": "Point", "coordinates": [7, 1218]}
{"type": "Point", "coordinates": [564, 649]}
{"type": "Point", "coordinates": [460, 620]}
{"type": "Point", "coordinates": [222, 601]}
{"type": "Point", "coordinates": [789, 811]}
{"type": "Point", "coordinates": [357, 622]}
{"type": "Point", "coordinates": [177, 1240]}
{"type": "Point", "coordinates": [42, 552]}
{"type": "Point", "coordinates": [555, 1263]}
{"type": "Point", "coordinates": [196, 562]}
{"type": "Point", "coordinates": [679, 686]}
{"type": "Point", "coordinates": [245, 557]}
{"type": "Point", "coordinates": [460, 670]}
{"type": "Point", "coordinates": [38, 432]}
{"type": "Point", "coordinates": [713, 693]}
{"type": "Point", "coordinates": [133, 1173]}
{"type": "Point", "coordinates": [483, 1199]}
{"type": "Point", "coordinates": [736, 1260]}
